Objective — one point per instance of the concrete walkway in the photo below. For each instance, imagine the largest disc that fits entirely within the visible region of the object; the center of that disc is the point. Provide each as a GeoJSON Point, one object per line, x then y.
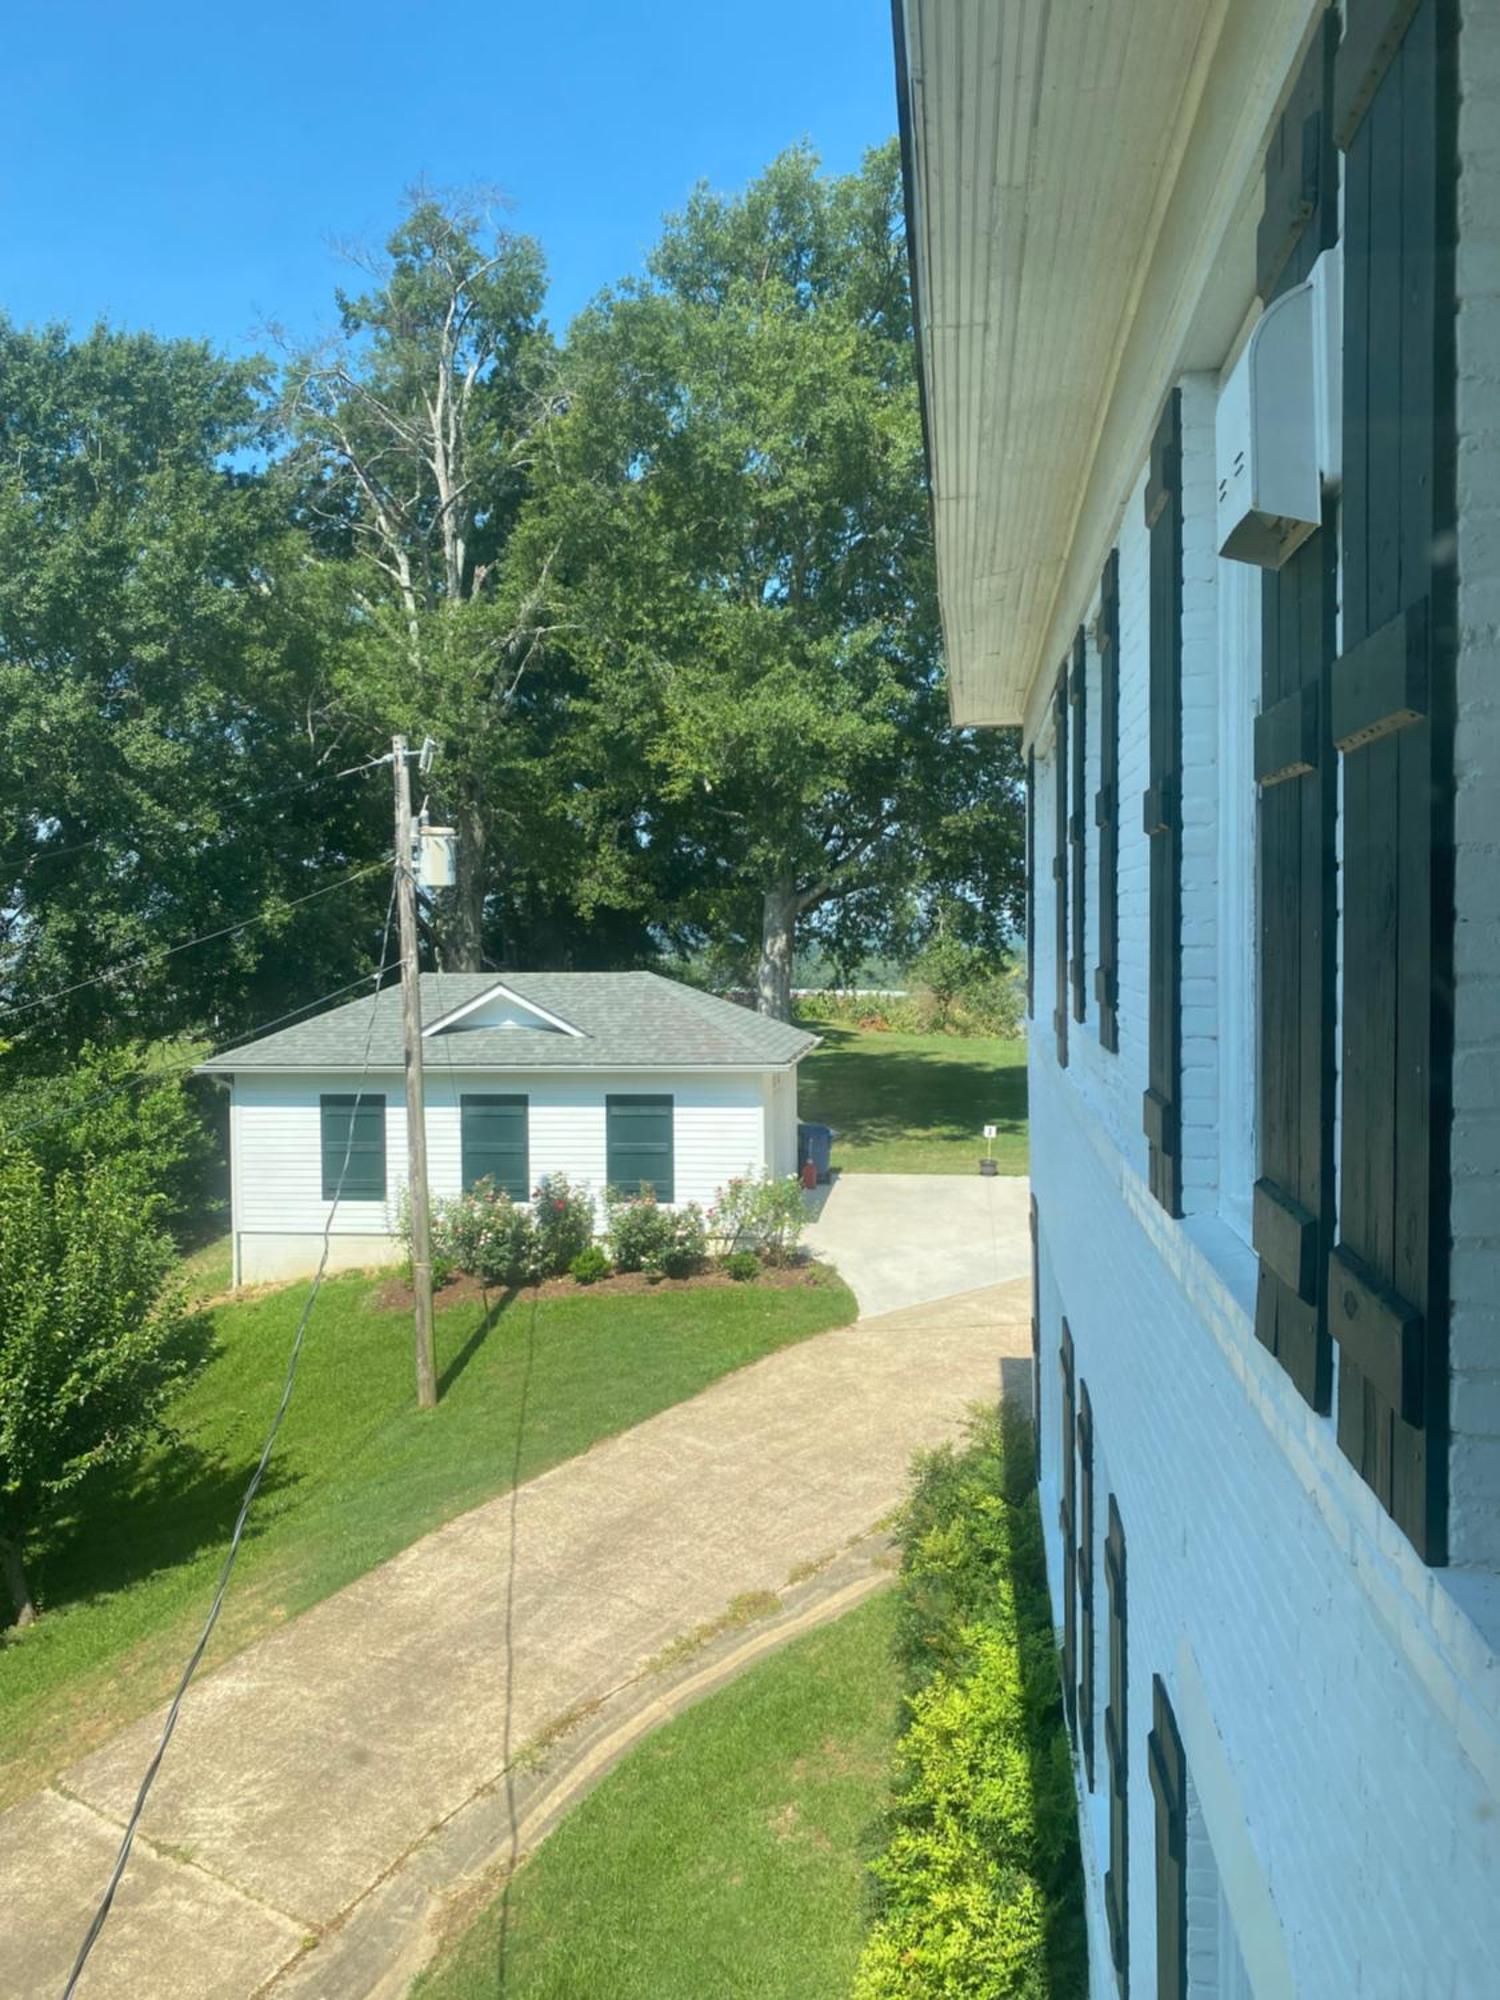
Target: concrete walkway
{"type": "Point", "coordinates": [314, 1778]}
{"type": "Point", "coordinates": [900, 1239]}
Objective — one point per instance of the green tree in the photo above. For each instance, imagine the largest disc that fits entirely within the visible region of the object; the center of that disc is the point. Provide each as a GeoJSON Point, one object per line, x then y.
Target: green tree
{"type": "Point", "coordinates": [95, 1342]}
{"type": "Point", "coordinates": [166, 755]}
{"type": "Point", "coordinates": [417, 428]}
{"type": "Point", "coordinates": [730, 538]}
{"type": "Point", "coordinates": [129, 1107]}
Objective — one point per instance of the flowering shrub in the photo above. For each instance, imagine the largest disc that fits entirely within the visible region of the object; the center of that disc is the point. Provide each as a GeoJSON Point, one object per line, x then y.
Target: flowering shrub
{"type": "Point", "coordinates": [682, 1246]}
{"type": "Point", "coordinates": [767, 1215]}
{"type": "Point", "coordinates": [639, 1229]}
{"type": "Point", "coordinates": [486, 1234]}
{"type": "Point", "coordinates": [563, 1221]}
{"type": "Point", "coordinates": [443, 1267]}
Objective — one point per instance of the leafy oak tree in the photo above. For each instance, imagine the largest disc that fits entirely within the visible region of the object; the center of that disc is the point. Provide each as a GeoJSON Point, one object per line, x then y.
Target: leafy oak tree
{"type": "Point", "coordinates": [166, 757]}
{"type": "Point", "coordinates": [729, 535]}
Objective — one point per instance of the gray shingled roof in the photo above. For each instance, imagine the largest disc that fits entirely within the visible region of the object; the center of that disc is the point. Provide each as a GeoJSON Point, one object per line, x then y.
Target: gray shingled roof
{"type": "Point", "coordinates": [626, 1020]}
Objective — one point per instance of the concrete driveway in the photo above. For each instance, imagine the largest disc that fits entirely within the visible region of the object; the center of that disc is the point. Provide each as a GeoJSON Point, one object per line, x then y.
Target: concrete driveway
{"type": "Point", "coordinates": [327, 1784]}
{"type": "Point", "coordinates": [899, 1239]}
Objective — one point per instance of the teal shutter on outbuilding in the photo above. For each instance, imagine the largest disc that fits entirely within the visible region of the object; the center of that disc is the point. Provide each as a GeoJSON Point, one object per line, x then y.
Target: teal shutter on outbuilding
{"type": "Point", "coordinates": [496, 1143]}
{"type": "Point", "coordinates": [638, 1132]}
{"type": "Point", "coordinates": [353, 1147]}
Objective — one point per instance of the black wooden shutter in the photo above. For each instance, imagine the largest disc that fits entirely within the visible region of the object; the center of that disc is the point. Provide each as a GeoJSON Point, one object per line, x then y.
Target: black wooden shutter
{"type": "Point", "coordinates": [1116, 1740]}
{"type": "Point", "coordinates": [1060, 865]}
{"type": "Point", "coordinates": [1067, 1521]}
{"type": "Point", "coordinates": [353, 1146]}
{"type": "Point", "coordinates": [1168, 1768]}
{"type": "Point", "coordinates": [1086, 1580]}
{"type": "Point", "coordinates": [493, 1143]}
{"type": "Point", "coordinates": [638, 1150]}
{"type": "Point", "coordinates": [1078, 821]}
{"type": "Point", "coordinates": [1030, 884]}
{"type": "Point", "coordinates": [1295, 773]}
{"type": "Point", "coordinates": [1107, 806]}
{"type": "Point", "coordinates": [1393, 722]}
{"type": "Point", "coordinates": [1036, 1342]}
{"type": "Point", "coordinates": [1162, 811]}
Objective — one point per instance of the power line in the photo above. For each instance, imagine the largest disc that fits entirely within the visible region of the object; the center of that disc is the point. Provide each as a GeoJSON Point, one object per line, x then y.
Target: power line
{"type": "Point", "coordinates": [204, 937]}
{"type": "Point", "coordinates": [106, 1903]}
{"type": "Point", "coordinates": [310, 784]}
{"type": "Point", "coordinates": [171, 1070]}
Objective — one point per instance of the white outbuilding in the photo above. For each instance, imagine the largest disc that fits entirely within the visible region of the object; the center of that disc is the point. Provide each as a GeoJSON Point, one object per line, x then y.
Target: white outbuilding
{"type": "Point", "coordinates": [616, 1079]}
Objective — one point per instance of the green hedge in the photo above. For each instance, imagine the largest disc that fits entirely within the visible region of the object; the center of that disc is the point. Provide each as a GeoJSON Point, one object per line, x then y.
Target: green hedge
{"type": "Point", "coordinates": [977, 1885]}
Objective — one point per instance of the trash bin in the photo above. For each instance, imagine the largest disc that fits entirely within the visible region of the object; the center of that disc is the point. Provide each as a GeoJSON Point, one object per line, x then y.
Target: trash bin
{"type": "Point", "coordinates": [815, 1143]}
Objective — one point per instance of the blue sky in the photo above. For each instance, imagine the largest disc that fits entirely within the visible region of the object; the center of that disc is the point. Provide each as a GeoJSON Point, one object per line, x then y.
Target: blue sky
{"type": "Point", "coordinates": [188, 167]}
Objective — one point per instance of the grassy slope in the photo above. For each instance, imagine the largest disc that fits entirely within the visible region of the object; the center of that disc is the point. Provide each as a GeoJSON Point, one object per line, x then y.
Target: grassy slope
{"type": "Point", "coordinates": [358, 1474]}
{"type": "Point", "coordinates": [916, 1104]}
{"type": "Point", "coordinates": [725, 1856]}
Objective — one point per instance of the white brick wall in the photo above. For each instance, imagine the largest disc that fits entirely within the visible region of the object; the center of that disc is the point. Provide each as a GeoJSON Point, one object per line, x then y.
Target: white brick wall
{"type": "Point", "coordinates": [1474, 1525]}
{"type": "Point", "coordinates": [1340, 1699]}
{"type": "Point", "coordinates": [1353, 1698]}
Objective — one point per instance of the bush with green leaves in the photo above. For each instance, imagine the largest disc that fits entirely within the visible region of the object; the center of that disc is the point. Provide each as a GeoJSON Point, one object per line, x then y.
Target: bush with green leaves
{"type": "Point", "coordinates": [992, 1007]}
{"type": "Point", "coordinates": [487, 1234]}
{"type": "Point", "coordinates": [563, 1218]}
{"type": "Point", "coordinates": [639, 1228]}
{"type": "Point", "coordinates": [131, 1108]}
{"type": "Point", "coordinates": [682, 1247]}
{"type": "Point", "coordinates": [95, 1342]}
{"type": "Point", "coordinates": [978, 1884]}
{"type": "Point", "coordinates": [742, 1266]}
{"type": "Point", "coordinates": [589, 1266]}
{"type": "Point", "coordinates": [765, 1214]}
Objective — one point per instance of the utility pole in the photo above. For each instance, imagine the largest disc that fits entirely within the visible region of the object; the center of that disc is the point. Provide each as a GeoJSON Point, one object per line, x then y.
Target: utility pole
{"type": "Point", "coordinates": [416, 1112]}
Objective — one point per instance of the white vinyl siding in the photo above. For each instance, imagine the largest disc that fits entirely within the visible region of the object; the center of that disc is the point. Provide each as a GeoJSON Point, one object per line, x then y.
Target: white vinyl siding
{"type": "Point", "coordinates": [781, 1122]}
{"type": "Point", "coordinates": [719, 1129]}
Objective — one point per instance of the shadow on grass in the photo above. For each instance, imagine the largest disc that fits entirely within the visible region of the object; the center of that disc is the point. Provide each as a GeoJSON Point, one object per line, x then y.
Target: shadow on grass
{"type": "Point", "coordinates": [128, 1525]}
{"type": "Point", "coordinates": [886, 1092]}
{"type": "Point", "coordinates": [488, 1320]}
{"type": "Point", "coordinates": [502, 1941]}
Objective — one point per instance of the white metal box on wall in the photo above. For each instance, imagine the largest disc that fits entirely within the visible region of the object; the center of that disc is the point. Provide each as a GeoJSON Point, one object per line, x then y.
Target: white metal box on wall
{"type": "Point", "coordinates": [1278, 433]}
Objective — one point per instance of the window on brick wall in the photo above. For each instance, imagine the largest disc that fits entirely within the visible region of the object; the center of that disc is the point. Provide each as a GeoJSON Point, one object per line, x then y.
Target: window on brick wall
{"type": "Point", "coordinates": [1215, 1962]}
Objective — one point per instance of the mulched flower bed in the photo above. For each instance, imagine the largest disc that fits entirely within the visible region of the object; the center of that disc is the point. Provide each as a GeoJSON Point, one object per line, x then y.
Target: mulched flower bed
{"type": "Point", "coordinates": [397, 1293]}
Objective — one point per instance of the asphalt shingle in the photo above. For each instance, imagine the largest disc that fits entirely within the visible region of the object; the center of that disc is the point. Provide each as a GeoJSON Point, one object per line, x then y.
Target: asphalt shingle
{"type": "Point", "coordinates": [625, 1020]}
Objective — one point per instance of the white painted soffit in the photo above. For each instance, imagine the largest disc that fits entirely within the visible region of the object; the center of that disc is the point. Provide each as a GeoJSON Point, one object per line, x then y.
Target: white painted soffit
{"type": "Point", "coordinates": [1073, 171]}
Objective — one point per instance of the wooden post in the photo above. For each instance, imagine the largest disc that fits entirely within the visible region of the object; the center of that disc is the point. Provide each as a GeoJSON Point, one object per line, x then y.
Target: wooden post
{"type": "Point", "coordinates": [416, 1114]}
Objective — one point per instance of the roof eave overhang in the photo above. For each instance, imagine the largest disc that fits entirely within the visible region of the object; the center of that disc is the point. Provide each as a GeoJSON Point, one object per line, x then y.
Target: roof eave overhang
{"type": "Point", "coordinates": [1077, 187]}
{"type": "Point", "coordinates": [438, 1066]}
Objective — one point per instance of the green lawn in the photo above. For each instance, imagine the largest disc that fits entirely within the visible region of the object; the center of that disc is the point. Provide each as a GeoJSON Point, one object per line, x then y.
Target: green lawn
{"type": "Point", "coordinates": [916, 1104]}
{"type": "Point", "coordinates": [725, 1856]}
{"type": "Point", "coordinates": [359, 1473]}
